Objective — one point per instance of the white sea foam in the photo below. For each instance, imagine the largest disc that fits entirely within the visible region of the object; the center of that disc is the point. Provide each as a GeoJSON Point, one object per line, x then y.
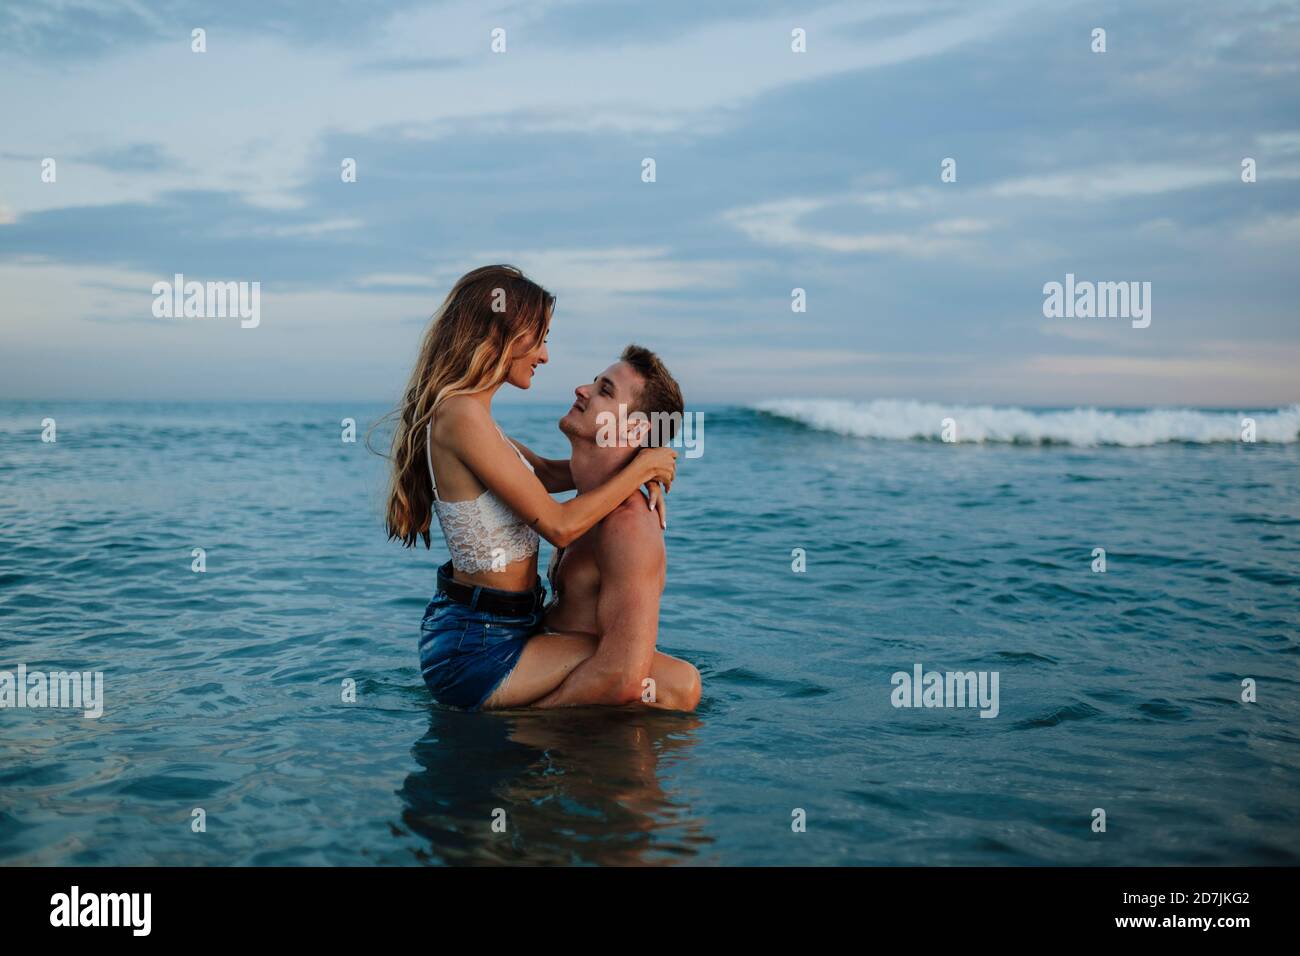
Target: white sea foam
{"type": "Point", "coordinates": [1086, 427]}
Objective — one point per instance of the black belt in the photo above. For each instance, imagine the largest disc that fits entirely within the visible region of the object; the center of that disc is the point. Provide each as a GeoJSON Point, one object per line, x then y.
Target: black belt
{"type": "Point", "coordinates": [505, 603]}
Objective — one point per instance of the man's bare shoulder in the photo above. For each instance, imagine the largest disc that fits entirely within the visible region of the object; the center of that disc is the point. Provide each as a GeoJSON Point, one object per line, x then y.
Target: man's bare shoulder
{"type": "Point", "coordinates": [631, 540]}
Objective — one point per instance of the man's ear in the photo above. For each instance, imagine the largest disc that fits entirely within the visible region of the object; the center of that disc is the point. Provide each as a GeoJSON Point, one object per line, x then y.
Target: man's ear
{"type": "Point", "coordinates": [638, 429]}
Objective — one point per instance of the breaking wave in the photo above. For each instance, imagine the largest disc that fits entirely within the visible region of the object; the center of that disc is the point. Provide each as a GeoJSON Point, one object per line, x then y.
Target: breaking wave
{"type": "Point", "coordinates": [1085, 427]}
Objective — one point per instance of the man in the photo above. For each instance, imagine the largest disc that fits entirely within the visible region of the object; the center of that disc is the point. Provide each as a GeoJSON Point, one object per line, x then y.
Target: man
{"type": "Point", "coordinates": [608, 582]}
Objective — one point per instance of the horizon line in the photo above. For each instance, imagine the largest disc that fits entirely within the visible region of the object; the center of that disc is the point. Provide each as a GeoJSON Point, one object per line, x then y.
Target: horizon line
{"type": "Point", "coordinates": [748, 404]}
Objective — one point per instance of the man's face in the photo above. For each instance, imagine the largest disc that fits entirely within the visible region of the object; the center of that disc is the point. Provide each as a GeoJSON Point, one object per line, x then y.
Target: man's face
{"type": "Point", "coordinates": [617, 385]}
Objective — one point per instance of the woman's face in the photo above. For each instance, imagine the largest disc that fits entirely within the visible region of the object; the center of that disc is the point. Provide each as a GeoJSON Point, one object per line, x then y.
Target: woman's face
{"type": "Point", "coordinates": [524, 366]}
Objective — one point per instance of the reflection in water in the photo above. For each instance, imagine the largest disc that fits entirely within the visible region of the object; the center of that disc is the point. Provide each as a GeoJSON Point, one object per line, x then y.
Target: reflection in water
{"type": "Point", "coordinates": [578, 786]}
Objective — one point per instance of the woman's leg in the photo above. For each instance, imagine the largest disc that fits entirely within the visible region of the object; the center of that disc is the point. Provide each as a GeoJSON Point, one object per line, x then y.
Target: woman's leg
{"type": "Point", "coordinates": [545, 663]}
{"type": "Point", "coordinates": [549, 658]}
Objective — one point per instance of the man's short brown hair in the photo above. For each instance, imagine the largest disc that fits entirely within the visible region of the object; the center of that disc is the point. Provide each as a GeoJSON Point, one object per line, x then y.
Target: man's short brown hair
{"type": "Point", "coordinates": [659, 392]}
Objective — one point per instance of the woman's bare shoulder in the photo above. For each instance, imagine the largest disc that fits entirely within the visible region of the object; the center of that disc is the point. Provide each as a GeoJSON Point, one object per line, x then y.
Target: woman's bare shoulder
{"type": "Point", "coordinates": [459, 417]}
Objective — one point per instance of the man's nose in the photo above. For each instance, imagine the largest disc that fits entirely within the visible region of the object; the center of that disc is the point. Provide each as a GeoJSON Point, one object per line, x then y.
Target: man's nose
{"type": "Point", "coordinates": [581, 392]}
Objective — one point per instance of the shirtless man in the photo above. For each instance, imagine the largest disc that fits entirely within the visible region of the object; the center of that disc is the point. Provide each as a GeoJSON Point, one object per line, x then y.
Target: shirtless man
{"type": "Point", "coordinates": [607, 584]}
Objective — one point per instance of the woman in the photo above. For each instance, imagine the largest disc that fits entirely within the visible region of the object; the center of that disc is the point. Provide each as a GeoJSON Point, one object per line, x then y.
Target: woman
{"type": "Point", "coordinates": [480, 646]}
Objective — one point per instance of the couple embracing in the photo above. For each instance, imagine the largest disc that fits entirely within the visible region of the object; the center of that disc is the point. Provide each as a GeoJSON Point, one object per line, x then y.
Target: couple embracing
{"type": "Point", "coordinates": [489, 638]}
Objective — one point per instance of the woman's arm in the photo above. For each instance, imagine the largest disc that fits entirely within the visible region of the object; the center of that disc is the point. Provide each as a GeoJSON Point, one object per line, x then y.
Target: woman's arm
{"type": "Point", "coordinates": [553, 473]}
{"type": "Point", "coordinates": [468, 431]}
{"type": "Point", "coordinates": [555, 477]}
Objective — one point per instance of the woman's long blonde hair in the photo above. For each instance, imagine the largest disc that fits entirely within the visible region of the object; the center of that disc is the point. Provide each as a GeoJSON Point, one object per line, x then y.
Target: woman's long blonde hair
{"type": "Point", "coordinates": [489, 315]}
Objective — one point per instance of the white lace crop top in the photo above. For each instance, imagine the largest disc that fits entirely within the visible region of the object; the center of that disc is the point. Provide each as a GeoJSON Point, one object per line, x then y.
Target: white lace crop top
{"type": "Point", "coordinates": [482, 534]}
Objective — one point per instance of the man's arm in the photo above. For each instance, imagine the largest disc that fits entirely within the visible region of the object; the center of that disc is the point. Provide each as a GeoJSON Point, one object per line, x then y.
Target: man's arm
{"type": "Point", "coordinates": [631, 560]}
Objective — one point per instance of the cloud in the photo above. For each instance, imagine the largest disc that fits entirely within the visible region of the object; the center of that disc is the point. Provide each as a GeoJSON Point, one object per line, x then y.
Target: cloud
{"type": "Point", "coordinates": [314, 229]}
{"type": "Point", "coordinates": [89, 29]}
{"type": "Point", "coordinates": [776, 170]}
{"type": "Point", "coordinates": [1272, 230]}
{"type": "Point", "coordinates": [614, 272]}
{"type": "Point", "coordinates": [411, 64]}
{"type": "Point", "coordinates": [1109, 183]}
{"type": "Point", "coordinates": [246, 95]}
{"type": "Point", "coordinates": [1268, 373]}
{"type": "Point", "coordinates": [135, 157]}
{"type": "Point", "coordinates": [779, 224]}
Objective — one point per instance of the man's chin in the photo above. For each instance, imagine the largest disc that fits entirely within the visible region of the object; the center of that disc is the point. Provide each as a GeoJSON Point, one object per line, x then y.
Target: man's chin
{"type": "Point", "coordinates": [573, 425]}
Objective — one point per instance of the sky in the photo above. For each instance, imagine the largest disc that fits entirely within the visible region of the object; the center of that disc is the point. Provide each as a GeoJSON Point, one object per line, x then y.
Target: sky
{"type": "Point", "coordinates": [774, 170]}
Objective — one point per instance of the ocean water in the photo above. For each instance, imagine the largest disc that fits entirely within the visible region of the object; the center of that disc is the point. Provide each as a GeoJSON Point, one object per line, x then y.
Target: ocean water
{"type": "Point", "coordinates": [1118, 691]}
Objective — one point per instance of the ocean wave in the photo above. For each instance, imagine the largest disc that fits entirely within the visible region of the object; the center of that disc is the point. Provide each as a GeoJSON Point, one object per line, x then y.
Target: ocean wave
{"type": "Point", "coordinates": [1084, 427]}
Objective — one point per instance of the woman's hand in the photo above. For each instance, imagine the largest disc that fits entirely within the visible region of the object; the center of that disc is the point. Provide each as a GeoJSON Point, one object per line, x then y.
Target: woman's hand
{"type": "Point", "coordinates": [658, 464]}
{"type": "Point", "coordinates": [655, 498]}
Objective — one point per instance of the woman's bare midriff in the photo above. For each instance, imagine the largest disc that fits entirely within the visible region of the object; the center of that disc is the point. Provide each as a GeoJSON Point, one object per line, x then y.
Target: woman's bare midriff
{"type": "Point", "coordinates": [519, 575]}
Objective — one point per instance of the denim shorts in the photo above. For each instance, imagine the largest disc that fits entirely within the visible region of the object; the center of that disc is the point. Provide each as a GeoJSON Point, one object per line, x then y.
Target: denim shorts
{"type": "Point", "coordinates": [466, 653]}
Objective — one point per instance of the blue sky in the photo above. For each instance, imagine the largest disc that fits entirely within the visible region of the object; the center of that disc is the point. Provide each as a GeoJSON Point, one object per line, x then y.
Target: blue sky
{"type": "Point", "coordinates": [775, 170]}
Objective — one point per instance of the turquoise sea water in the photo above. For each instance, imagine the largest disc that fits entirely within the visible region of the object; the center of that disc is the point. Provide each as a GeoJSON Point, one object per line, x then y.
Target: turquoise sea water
{"type": "Point", "coordinates": [1118, 691]}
